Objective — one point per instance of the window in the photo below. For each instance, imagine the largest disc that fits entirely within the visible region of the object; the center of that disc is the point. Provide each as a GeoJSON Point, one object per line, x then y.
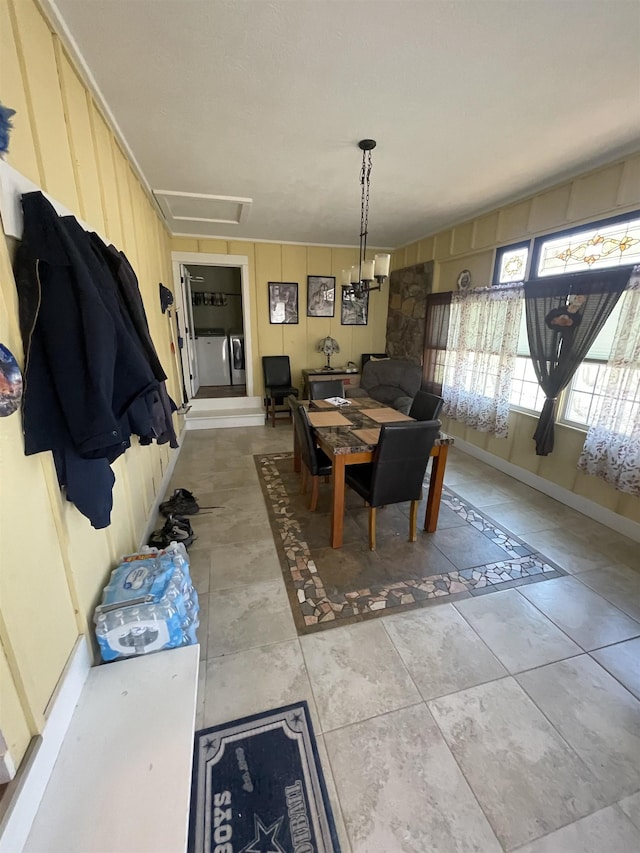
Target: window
{"type": "Point", "coordinates": [525, 391]}
{"type": "Point", "coordinates": [435, 341]}
{"type": "Point", "coordinates": [585, 389]}
{"type": "Point", "coordinates": [611, 242]}
{"type": "Point", "coordinates": [511, 263]}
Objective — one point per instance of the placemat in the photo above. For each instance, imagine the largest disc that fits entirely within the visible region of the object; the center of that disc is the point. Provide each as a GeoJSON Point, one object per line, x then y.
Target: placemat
{"type": "Point", "coordinates": [327, 419]}
{"type": "Point", "coordinates": [369, 436]}
{"type": "Point", "coordinates": [386, 416]}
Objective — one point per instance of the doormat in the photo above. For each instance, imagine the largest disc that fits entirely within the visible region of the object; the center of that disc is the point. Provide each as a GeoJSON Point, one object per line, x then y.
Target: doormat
{"type": "Point", "coordinates": [469, 554]}
{"type": "Point", "coordinates": [258, 787]}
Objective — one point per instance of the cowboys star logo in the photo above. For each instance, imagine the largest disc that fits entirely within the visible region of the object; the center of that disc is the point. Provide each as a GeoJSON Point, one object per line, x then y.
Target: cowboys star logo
{"type": "Point", "coordinates": [265, 840]}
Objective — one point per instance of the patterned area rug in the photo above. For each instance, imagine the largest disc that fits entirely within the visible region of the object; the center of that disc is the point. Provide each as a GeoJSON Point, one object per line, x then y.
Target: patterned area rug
{"type": "Point", "coordinates": [468, 555]}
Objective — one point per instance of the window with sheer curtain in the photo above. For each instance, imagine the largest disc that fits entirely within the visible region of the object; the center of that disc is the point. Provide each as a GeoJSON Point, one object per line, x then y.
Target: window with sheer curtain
{"type": "Point", "coordinates": [480, 357]}
{"type": "Point", "coordinates": [612, 447]}
{"type": "Point", "coordinates": [599, 245]}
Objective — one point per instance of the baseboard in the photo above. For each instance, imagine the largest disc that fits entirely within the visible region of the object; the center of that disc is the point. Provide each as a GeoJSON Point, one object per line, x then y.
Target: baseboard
{"type": "Point", "coordinates": [151, 521]}
{"type": "Point", "coordinates": [35, 770]}
{"type": "Point", "coordinates": [599, 513]}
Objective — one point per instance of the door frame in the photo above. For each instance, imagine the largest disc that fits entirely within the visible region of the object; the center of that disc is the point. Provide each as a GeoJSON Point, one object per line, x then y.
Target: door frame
{"type": "Point", "coordinates": [240, 262]}
{"type": "Point", "coordinates": [185, 305]}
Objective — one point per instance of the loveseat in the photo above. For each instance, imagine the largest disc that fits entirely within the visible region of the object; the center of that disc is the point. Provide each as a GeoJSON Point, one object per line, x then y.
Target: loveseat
{"type": "Point", "coordinates": [392, 381]}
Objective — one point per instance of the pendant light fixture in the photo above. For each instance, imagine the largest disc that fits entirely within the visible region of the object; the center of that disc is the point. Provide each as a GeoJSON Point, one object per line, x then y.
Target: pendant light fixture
{"type": "Point", "coordinates": [360, 277]}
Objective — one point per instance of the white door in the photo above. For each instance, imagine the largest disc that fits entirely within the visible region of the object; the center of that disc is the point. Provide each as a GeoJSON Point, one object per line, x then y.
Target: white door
{"type": "Point", "coordinates": [189, 358]}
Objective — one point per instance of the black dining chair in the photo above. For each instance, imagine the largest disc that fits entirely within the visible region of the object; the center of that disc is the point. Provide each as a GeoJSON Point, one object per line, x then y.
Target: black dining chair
{"type": "Point", "coordinates": [319, 390]}
{"type": "Point", "coordinates": [315, 462]}
{"type": "Point", "coordinates": [426, 406]}
{"type": "Point", "coordinates": [277, 383]}
{"type": "Point", "coordinates": [396, 472]}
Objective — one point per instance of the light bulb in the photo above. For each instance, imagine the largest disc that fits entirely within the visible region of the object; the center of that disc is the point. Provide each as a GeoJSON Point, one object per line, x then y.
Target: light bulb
{"type": "Point", "coordinates": [367, 270]}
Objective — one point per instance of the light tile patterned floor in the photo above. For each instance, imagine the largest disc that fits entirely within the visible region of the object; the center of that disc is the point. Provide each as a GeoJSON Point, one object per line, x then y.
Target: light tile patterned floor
{"type": "Point", "coordinates": [479, 556]}
{"type": "Point", "coordinates": [504, 722]}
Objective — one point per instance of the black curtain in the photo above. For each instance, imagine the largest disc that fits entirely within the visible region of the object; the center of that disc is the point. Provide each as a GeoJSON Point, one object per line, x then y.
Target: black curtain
{"type": "Point", "coordinates": [435, 339]}
{"type": "Point", "coordinates": [565, 313]}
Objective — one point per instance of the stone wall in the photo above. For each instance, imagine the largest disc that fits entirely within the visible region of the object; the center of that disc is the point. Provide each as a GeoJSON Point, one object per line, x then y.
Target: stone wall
{"type": "Point", "coordinates": [408, 289]}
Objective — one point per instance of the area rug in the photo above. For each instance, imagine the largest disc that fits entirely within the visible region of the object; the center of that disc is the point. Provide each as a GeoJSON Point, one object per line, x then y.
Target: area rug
{"type": "Point", "coordinates": [258, 787]}
{"type": "Point", "coordinates": [469, 554]}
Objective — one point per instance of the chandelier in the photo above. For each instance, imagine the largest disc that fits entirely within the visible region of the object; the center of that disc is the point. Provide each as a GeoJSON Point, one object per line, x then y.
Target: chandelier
{"type": "Point", "coordinates": [361, 276]}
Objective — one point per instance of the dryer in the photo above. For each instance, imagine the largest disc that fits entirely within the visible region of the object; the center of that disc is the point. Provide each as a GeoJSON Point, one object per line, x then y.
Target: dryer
{"type": "Point", "coordinates": [238, 368]}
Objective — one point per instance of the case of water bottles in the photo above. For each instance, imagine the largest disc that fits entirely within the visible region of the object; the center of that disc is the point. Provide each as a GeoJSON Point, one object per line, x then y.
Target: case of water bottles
{"type": "Point", "coordinates": [149, 604]}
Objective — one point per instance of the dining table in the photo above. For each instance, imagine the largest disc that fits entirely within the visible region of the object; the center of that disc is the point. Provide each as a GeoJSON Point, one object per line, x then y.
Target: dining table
{"type": "Point", "coordinates": [348, 434]}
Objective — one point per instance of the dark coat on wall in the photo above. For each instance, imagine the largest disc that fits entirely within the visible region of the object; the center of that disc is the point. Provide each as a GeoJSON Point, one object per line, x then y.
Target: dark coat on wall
{"type": "Point", "coordinates": [89, 383]}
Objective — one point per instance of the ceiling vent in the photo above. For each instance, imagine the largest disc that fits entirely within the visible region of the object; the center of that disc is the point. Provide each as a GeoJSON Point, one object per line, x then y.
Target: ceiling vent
{"type": "Point", "coordinates": [182, 210]}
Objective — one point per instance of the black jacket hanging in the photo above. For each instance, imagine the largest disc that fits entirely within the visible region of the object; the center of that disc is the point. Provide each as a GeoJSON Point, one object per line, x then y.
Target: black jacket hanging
{"type": "Point", "coordinates": [88, 381]}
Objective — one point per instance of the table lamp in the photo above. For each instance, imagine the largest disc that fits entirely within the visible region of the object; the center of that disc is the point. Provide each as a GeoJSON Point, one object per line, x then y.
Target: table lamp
{"type": "Point", "coordinates": [328, 346]}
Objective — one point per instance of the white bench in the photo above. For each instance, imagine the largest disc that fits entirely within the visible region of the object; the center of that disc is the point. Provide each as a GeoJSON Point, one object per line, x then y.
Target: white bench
{"type": "Point", "coordinates": [121, 782]}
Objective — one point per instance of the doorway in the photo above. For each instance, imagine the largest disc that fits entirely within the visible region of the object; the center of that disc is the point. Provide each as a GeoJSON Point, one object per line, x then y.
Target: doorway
{"type": "Point", "coordinates": [213, 326]}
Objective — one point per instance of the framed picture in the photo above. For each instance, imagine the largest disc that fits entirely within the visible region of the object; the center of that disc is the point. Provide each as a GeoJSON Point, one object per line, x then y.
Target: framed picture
{"type": "Point", "coordinates": [355, 312]}
{"type": "Point", "coordinates": [321, 296]}
{"type": "Point", "coordinates": [283, 302]}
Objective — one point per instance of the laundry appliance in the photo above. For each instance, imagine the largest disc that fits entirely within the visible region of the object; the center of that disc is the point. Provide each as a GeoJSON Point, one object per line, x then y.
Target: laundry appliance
{"type": "Point", "coordinates": [238, 368]}
{"type": "Point", "coordinates": [212, 353]}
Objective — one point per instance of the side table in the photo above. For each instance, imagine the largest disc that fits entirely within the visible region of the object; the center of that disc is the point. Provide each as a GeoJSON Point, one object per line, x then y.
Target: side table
{"type": "Point", "coordinates": [349, 377]}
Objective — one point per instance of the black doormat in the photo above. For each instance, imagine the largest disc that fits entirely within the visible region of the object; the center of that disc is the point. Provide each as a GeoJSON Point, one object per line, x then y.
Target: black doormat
{"type": "Point", "coordinates": [258, 787]}
{"type": "Point", "coordinates": [469, 554]}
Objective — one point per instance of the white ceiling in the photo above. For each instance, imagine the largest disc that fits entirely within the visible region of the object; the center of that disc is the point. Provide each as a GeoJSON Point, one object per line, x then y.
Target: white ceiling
{"type": "Point", "coordinates": [473, 103]}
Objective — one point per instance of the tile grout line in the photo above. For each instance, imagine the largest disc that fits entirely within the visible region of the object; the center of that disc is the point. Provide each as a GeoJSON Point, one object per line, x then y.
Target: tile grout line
{"type": "Point", "coordinates": [560, 628]}
{"type": "Point", "coordinates": [598, 792]}
{"type": "Point", "coordinates": [460, 768]}
{"type": "Point", "coordinates": [335, 788]}
{"type": "Point", "coordinates": [571, 823]}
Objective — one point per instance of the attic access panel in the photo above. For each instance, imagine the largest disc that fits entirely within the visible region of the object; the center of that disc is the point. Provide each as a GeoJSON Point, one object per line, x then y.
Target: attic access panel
{"type": "Point", "coordinates": [180, 208]}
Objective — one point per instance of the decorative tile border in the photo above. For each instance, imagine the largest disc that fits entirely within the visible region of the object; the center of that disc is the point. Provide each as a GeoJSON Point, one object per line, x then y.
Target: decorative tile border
{"type": "Point", "coordinates": [316, 607]}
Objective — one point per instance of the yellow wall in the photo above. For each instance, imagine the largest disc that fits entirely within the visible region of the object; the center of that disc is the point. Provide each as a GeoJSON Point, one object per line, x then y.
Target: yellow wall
{"type": "Point", "coordinates": [287, 262]}
{"type": "Point", "coordinates": [471, 245]}
{"type": "Point", "coordinates": [53, 563]}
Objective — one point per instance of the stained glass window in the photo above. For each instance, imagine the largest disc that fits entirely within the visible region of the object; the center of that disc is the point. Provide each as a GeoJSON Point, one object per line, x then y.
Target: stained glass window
{"type": "Point", "coordinates": [592, 248]}
{"type": "Point", "coordinates": [511, 263]}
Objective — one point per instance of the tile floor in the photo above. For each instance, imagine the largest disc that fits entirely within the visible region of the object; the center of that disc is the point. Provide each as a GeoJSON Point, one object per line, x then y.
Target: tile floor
{"type": "Point", "coordinates": [468, 555]}
{"type": "Point", "coordinates": [503, 722]}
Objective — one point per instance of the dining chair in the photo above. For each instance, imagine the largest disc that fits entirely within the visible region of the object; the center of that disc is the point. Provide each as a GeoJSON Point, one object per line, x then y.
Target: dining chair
{"type": "Point", "coordinates": [396, 472]}
{"type": "Point", "coordinates": [425, 406]}
{"type": "Point", "coordinates": [277, 383]}
{"type": "Point", "coordinates": [315, 462]}
{"type": "Point", "coordinates": [319, 390]}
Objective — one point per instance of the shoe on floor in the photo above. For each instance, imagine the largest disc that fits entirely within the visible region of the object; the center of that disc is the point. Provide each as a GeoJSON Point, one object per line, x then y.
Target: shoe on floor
{"type": "Point", "coordinates": [175, 529]}
{"type": "Point", "coordinates": [181, 502]}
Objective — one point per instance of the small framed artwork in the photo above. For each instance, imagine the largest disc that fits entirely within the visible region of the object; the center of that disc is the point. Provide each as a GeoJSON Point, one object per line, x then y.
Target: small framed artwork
{"type": "Point", "coordinates": [321, 296]}
{"type": "Point", "coordinates": [283, 302]}
{"type": "Point", "coordinates": [355, 311]}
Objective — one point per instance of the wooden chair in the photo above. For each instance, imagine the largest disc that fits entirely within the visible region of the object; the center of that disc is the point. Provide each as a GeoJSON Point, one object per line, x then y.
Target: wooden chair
{"type": "Point", "coordinates": [315, 463]}
{"type": "Point", "coordinates": [277, 384]}
{"type": "Point", "coordinates": [397, 470]}
{"type": "Point", "coordinates": [426, 406]}
{"type": "Point", "coordinates": [319, 389]}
